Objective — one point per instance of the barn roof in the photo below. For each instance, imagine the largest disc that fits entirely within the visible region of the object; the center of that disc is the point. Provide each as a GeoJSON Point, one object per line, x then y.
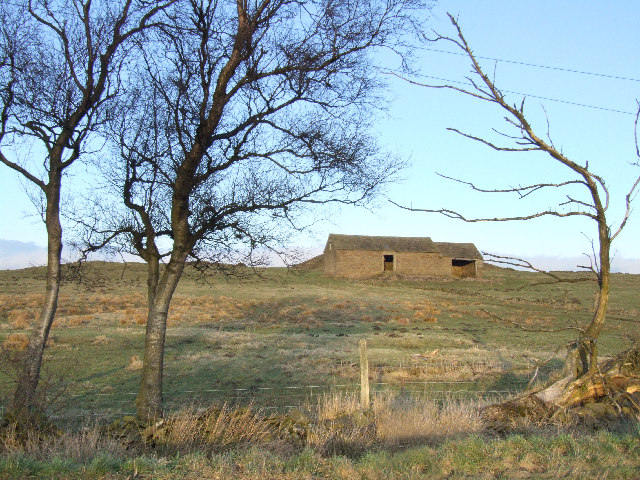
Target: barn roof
{"type": "Point", "coordinates": [465, 251]}
{"type": "Point", "coordinates": [396, 244]}
{"type": "Point", "coordinates": [404, 244]}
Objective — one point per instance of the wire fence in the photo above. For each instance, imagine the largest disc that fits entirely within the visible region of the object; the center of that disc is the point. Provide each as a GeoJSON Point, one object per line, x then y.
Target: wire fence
{"type": "Point", "coordinates": [416, 376]}
{"type": "Point", "coordinates": [91, 407]}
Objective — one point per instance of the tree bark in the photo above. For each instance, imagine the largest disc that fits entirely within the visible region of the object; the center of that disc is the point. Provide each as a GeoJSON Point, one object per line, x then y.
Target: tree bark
{"type": "Point", "coordinates": [593, 331]}
{"type": "Point", "coordinates": [587, 344]}
{"type": "Point", "coordinates": [160, 289]}
{"type": "Point", "coordinates": [25, 402]}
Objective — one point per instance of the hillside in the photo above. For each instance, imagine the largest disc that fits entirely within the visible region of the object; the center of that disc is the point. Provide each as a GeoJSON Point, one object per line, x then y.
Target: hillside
{"type": "Point", "coordinates": [288, 339]}
{"type": "Point", "coordinates": [314, 263]}
{"type": "Point", "coordinates": [244, 331]}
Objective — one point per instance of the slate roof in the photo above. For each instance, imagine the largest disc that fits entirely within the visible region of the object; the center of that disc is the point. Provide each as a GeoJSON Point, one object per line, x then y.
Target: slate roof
{"type": "Point", "coordinates": [397, 244]}
{"type": "Point", "coordinates": [466, 251]}
{"type": "Point", "coordinates": [404, 244]}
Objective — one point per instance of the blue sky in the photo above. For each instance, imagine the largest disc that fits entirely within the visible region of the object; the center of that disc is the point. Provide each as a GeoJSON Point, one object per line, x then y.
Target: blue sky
{"type": "Point", "coordinates": [579, 35]}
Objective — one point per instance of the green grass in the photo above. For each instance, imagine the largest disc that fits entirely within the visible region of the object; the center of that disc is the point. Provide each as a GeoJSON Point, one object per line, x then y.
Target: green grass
{"type": "Point", "coordinates": [230, 339]}
{"type": "Point", "coordinates": [250, 340]}
{"type": "Point", "coordinates": [601, 455]}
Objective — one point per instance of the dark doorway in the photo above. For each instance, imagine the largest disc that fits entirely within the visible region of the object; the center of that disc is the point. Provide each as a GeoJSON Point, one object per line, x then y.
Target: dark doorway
{"type": "Point", "coordinates": [463, 268]}
{"type": "Point", "coordinates": [388, 263]}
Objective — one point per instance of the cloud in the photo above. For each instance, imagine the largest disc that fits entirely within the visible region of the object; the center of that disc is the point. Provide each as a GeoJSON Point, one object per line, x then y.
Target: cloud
{"type": "Point", "coordinates": [625, 265]}
{"type": "Point", "coordinates": [15, 254]}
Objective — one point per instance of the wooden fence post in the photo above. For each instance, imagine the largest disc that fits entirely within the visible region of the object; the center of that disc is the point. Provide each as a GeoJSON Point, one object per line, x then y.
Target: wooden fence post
{"type": "Point", "coordinates": [364, 375]}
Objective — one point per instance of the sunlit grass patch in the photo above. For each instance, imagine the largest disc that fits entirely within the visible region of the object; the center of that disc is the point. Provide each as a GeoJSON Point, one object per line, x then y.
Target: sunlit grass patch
{"type": "Point", "coordinates": [21, 318]}
{"type": "Point", "coordinates": [16, 342]}
{"type": "Point", "coordinates": [395, 420]}
{"type": "Point", "coordinates": [134, 363]}
{"type": "Point", "coordinates": [215, 429]}
{"type": "Point", "coordinates": [304, 330]}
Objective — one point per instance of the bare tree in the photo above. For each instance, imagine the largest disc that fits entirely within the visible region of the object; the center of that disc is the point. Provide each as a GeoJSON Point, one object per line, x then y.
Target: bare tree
{"type": "Point", "coordinates": [60, 66]}
{"type": "Point", "coordinates": [592, 202]}
{"type": "Point", "coordinates": [246, 113]}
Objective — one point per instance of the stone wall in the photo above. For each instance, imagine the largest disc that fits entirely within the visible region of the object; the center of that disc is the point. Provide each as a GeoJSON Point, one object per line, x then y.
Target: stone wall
{"type": "Point", "coordinates": [358, 263]}
{"type": "Point", "coordinates": [330, 261]}
{"type": "Point", "coordinates": [479, 264]}
{"type": "Point", "coordinates": [422, 264]}
{"type": "Point", "coordinates": [366, 263]}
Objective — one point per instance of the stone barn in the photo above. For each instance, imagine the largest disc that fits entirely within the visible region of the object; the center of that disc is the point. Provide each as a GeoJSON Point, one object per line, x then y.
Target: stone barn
{"type": "Point", "coordinates": [359, 256]}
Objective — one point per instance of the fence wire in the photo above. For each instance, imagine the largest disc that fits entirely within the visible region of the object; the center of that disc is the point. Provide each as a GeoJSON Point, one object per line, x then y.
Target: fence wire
{"type": "Point", "coordinates": [102, 407]}
{"type": "Point", "coordinates": [278, 399]}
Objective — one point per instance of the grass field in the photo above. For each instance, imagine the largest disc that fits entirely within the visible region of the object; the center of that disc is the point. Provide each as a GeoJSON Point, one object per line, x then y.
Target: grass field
{"type": "Point", "coordinates": [267, 340]}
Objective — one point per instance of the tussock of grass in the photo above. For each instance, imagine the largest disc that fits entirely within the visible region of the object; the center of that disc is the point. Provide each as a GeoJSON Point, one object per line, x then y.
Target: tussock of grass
{"type": "Point", "coordinates": [413, 421]}
{"type": "Point", "coordinates": [217, 429]}
{"type": "Point", "coordinates": [75, 447]}
{"type": "Point", "coordinates": [134, 363]}
{"type": "Point", "coordinates": [395, 421]}
{"type": "Point", "coordinates": [16, 342]}
{"type": "Point", "coordinates": [601, 455]}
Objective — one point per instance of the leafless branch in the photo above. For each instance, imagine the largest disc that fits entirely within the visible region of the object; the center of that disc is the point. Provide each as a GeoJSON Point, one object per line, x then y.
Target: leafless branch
{"type": "Point", "coordinates": [493, 145]}
{"type": "Point", "coordinates": [632, 192]}
{"type": "Point", "coordinates": [591, 201]}
{"type": "Point", "coordinates": [525, 264]}
{"type": "Point", "coordinates": [459, 216]}
{"type": "Point", "coordinates": [635, 131]}
{"type": "Point", "coordinates": [522, 191]}
{"type": "Point", "coordinates": [528, 329]}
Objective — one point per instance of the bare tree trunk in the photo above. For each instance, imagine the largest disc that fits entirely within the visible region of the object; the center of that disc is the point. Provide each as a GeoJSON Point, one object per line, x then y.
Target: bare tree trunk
{"type": "Point", "coordinates": [593, 331]}
{"type": "Point", "coordinates": [25, 402]}
{"type": "Point", "coordinates": [160, 291]}
{"type": "Point", "coordinates": [86, 65]}
{"type": "Point", "coordinates": [149, 400]}
{"type": "Point", "coordinates": [587, 345]}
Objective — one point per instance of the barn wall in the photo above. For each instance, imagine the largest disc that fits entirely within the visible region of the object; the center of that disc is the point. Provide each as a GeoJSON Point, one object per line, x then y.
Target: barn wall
{"type": "Point", "coordinates": [422, 264]}
{"type": "Point", "coordinates": [330, 260]}
{"type": "Point", "coordinates": [479, 268]}
{"type": "Point", "coordinates": [364, 263]}
{"type": "Point", "coordinates": [358, 263]}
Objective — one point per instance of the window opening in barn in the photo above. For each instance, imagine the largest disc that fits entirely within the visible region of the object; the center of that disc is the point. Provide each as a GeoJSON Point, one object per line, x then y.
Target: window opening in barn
{"type": "Point", "coordinates": [463, 268]}
{"type": "Point", "coordinates": [388, 263]}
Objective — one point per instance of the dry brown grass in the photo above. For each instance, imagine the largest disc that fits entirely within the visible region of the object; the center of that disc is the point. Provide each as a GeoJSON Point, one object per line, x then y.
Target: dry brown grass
{"type": "Point", "coordinates": [395, 420]}
{"type": "Point", "coordinates": [186, 310]}
{"type": "Point", "coordinates": [101, 340]}
{"type": "Point", "coordinates": [16, 342]}
{"type": "Point", "coordinates": [416, 420]}
{"type": "Point", "coordinates": [217, 429]}
{"type": "Point", "coordinates": [73, 321]}
{"type": "Point", "coordinates": [140, 318]}
{"type": "Point", "coordinates": [20, 318]}
{"type": "Point", "coordinates": [82, 446]}
{"type": "Point", "coordinates": [134, 363]}
{"type": "Point", "coordinates": [24, 300]}
{"type": "Point", "coordinates": [440, 365]}
{"type": "Point", "coordinates": [127, 309]}
{"type": "Point", "coordinates": [333, 405]}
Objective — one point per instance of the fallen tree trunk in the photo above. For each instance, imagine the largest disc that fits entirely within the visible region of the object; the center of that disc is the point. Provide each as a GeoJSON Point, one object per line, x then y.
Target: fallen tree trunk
{"type": "Point", "coordinates": [615, 382]}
